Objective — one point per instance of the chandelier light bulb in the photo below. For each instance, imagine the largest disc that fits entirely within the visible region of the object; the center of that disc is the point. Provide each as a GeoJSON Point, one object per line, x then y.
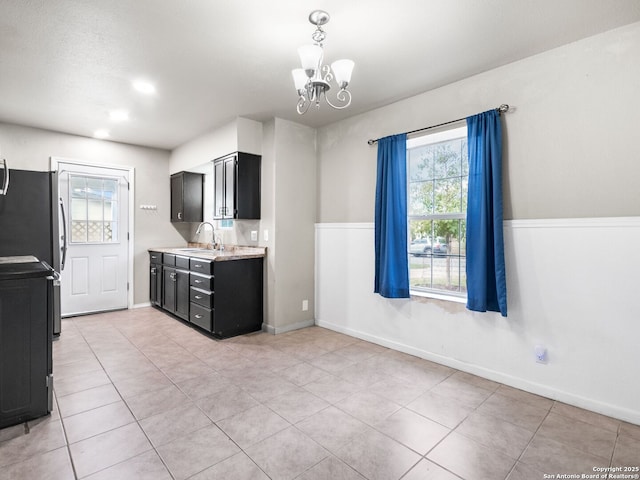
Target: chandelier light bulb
{"type": "Point", "coordinates": [310, 58]}
{"type": "Point", "coordinates": [342, 70]}
{"type": "Point", "coordinates": [299, 78]}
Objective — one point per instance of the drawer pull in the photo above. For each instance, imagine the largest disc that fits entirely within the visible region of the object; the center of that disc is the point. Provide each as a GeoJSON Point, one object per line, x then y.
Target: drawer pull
{"type": "Point", "coordinates": [198, 297]}
{"type": "Point", "coordinates": [197, 265]}
{"type": "Point", "coordinates": [197, 281]}
{"type": "Point", "coordinates": [198, 315]}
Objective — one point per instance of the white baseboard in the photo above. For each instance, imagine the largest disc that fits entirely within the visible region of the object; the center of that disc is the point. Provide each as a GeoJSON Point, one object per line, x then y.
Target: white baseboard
{"type": "Point", "coordinates": [141, 305]}
{"type": "Point", "coordinates": [516, 382]}
{"type": "Point", "coordinates": [287, 328]}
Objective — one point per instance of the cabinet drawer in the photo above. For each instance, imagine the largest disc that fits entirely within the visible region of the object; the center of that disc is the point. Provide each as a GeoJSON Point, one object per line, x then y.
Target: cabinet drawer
{"type": "Point", "coordinates": [199, 265]}
{"type": "Point", "coordinates": [169, 259]}
{"type": "Point", "coordinates": [182, 262]}
{"type": "Point", "coordinates": [155, 257]}
{"type": "Point", "coordinates": [201, 316]}
{"type": "Point", "coordinates": [205, 282]}
{"type": "Point", "coordinates": [201, 297]}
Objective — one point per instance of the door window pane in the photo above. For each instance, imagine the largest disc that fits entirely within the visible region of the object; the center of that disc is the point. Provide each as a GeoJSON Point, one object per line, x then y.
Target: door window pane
{"type": "Point", "coordinates": [94, 209]}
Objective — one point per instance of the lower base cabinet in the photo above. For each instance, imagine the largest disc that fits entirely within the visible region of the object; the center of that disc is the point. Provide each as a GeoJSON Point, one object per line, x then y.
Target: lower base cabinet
{"type": "Point", "coordinates": [234, 304]}
{"type": "Point", "coordinates": [225, 298]}
{"type": "Point", "coordinates": [155, 281]}
{"type": "Point", "coordinates": [175, 298]}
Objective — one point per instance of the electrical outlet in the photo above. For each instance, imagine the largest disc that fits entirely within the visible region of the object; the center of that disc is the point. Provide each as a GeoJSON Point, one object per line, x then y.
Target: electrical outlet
{"type": "Point", "coordinates": [305, 305]}
{"type": "Point", "coordinates": [254, 235]}
{"type": "Point", "coordinates": [541, 354]}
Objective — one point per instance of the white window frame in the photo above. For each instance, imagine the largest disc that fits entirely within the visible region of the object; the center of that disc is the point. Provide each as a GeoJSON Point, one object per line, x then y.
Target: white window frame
{"type": "Point", "coordinates": [453, 132]}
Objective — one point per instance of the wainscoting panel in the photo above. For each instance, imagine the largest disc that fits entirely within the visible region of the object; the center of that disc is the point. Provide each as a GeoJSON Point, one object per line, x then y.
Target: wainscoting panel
{"type": "Point", "coordinates": [573, 287]}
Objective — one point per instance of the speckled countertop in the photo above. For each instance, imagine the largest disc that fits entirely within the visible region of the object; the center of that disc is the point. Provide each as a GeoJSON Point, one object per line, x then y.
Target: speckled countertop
{"type": "Point", "coordinates": [230, 252]}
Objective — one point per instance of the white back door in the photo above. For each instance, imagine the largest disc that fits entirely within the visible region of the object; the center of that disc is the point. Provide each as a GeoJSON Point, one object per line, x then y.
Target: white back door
{"type": "Point", "coordinates": [96, 205]}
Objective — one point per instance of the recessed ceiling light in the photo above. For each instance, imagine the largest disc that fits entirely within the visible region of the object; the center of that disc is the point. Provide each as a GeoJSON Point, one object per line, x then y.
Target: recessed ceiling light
{"type": "Point", "coordinates": [102, 133]}
{"type": "Point", "coordinates": [119, 115]}
{"type": "Point", "coordinates": [144, 87]}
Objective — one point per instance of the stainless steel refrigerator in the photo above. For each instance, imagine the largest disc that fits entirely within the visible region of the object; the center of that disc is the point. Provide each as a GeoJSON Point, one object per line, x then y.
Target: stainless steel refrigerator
{"type": "Point", "coordinates": [29, 219]}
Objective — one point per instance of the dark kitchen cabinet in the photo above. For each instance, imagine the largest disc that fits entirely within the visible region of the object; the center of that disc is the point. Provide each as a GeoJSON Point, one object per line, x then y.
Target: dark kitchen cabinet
{"type": "Point", "coordinates": [155, 278]}
{"type": "Point", "coordinates": [236, 180]}
{"type": "Point", "coordinates": [175, 291]}
{"type": "Point", "coordinates": [187, 193]}
{"type": "Point", "coordinates": [227, 299]}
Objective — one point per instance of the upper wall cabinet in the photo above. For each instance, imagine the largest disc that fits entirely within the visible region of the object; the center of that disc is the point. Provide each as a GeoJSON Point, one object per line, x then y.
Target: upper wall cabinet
{"type": "Point", "coordinates": [236, 180]}
{"type": "Point", "coordinates": [186, 197]}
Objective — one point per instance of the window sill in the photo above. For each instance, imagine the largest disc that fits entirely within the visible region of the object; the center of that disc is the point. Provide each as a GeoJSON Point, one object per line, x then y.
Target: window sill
{"type": "Point", "coordinates": [423, 296]}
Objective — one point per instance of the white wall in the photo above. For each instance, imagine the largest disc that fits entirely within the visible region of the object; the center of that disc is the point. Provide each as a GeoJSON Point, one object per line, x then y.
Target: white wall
{"type": "Point", "coordinates": [570, 140]}
{"type": "Point", "coordinates": [241, 134]}
{"type": "Point", "coordinates": [288, 211]}
{"type": "Point", "coordinates": [205, 148]}
{"type": "Point", "coordinates": [30, 149]}
{"type": "Point", "coordinates": [294, 194]}
{"type": "Point", "coordinates": [565, 292]}
{"type": "Point", "coordinates": [570, 152]}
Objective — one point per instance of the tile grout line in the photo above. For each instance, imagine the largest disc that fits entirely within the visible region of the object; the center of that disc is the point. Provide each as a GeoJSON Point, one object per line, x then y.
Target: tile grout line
{"type": "Point", "coordinates": [519, 460]}
{"type": "Point", "coordinates": [125, 403]}
{"type": "Point", "coordinates": [64, 429]}
{"type": "Point", "coordinates": [615, 445]}
{"type": "Point", "coordinates": [454, 429]}
{"type": "Point", "coordinates": [213, 422]}
{"type": "Point", "coordinates": [250, 354]}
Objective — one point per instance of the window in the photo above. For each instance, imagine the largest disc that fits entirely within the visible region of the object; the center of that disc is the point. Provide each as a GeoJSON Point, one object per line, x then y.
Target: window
{"type": "Point", "coordinates": [94, 209]}
{"type": "Point", "coordinates": [437, 173]}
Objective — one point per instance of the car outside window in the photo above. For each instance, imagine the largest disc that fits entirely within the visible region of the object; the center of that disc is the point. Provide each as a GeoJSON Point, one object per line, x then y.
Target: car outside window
{"type": "Point", "coordinates": [437, 173]}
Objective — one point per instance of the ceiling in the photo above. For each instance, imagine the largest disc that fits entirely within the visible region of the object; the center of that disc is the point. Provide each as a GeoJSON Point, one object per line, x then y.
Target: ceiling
{"type": "Point", "coordinates": [65, 64]}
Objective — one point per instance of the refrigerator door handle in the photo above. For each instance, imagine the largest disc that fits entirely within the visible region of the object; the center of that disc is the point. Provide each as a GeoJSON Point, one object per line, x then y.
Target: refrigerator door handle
{"type": "Point", "coordinates": [64, 236]}
{"type": "Point", "coordinates": [5, 167]}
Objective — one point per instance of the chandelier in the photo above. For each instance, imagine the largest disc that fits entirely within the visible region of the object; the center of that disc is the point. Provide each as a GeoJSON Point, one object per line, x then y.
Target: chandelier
{"type": "Point", "coordinates": [313, 80]}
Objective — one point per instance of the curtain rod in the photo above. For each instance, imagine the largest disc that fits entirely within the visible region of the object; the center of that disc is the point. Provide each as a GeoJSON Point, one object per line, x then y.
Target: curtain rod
{"type": "Point", "coordinates": [501, 109]}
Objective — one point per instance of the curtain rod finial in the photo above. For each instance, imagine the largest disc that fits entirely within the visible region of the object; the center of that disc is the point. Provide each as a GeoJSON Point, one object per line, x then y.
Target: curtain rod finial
{"type": "Point", "coordinates": [503, 108]}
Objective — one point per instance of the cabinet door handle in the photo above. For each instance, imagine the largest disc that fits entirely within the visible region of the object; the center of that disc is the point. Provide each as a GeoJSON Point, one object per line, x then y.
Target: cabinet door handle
{"type": "Point", "coordinates": [198, 315]}
{"type": "Point", "coordinates": [153, 271]}
{"type": "Point", "coordinates": [198, 297]}
{"type": "Point", "coordinates": [179, 215]}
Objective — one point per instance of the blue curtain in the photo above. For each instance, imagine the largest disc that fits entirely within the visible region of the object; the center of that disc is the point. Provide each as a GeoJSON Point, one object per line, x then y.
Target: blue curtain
{"type": "Point", "coordinates": [392, 264]}
{"type": "Point", "coordinates": [486, 280]}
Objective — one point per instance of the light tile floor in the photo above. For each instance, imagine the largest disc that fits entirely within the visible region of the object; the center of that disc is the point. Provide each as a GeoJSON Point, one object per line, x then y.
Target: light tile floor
{"type": "Point", "coordinates": [140, 395]}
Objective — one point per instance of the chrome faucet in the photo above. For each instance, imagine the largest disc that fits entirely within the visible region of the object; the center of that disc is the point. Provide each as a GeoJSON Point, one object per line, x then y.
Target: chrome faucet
{"type": "Point", "coordinates": [213, 232]}
{"type": "Point", "coordinates": [202, 225]}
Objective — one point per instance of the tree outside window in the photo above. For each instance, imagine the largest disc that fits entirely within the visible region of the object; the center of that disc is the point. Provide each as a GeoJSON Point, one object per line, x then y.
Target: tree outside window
{"type": "Point", "coordinates": [438, 178]}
